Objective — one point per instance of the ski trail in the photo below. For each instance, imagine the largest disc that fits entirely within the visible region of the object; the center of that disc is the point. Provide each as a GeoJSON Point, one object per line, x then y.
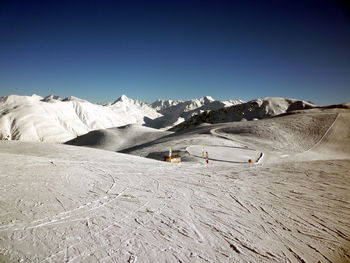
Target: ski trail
{"type": "Point", "coordinates": [323, 136]}
{"type": "Point", "coordinates": [64, 217]}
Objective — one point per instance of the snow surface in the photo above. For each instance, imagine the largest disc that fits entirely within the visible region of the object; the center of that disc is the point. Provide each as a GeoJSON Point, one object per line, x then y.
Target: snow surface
{"type": "Point", "coordinates": [62, 203]}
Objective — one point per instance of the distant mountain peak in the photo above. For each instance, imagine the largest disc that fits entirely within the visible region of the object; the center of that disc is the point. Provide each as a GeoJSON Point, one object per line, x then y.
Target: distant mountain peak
{"type": "Point", "coordinates": [51, 97]}
{"type": "Point", "coordinates": [207, 99]}
{"type": "Point", "coordinates": [126, 100]}
{"type": "Point", "coordinates": [122, 98]}
{"type": "Point", "coordinates": [72, 98]}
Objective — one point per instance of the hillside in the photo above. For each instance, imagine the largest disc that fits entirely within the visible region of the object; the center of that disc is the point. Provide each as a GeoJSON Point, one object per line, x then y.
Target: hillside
{"type": "Point", "coordinates": [78, 204]}
{"type": "Point", "coordinates": [118, 138]}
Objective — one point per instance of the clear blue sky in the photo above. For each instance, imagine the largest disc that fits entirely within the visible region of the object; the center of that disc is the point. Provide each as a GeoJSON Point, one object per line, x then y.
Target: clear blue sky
{"type": "Point", "coordinates": [98, 50]}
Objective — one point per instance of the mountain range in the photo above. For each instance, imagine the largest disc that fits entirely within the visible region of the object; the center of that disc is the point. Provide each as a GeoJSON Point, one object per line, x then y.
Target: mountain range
{"type": "Point", "coordinates": [54, 119]}
{"type": "Point", "coordinates": [57, 120]}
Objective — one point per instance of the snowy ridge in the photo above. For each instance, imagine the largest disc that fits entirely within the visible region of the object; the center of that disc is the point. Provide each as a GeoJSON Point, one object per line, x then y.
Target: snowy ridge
{"type": "Point", "coordinates": [255, 109]}
{"type": "Point", "coordinates": [166, 106]}
{"type": "Point", "coordinates": [176, 112]}
{"type": "Point", "coordinates": [162, 104]}
{"type": "Point", "coordinates": [52, 98]}
{"type": "Point", "coordinates": [124, 105]}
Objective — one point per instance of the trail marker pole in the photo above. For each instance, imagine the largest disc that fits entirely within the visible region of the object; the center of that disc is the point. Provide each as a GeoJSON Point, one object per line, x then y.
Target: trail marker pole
{"type": "Point", "coordinates": [170, 152]}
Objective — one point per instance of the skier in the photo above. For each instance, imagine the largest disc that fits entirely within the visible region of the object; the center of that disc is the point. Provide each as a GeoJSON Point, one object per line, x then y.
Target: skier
{"type": "Point", "coordinates": [206, 157]}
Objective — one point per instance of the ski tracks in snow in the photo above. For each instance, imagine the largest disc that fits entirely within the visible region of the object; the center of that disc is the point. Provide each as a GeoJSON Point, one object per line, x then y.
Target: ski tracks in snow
{"type": "Point", "coordinates": [66, 216]}
{"type": "Point", "coordinates": [295, 212]}
{"type": "Point", "coordinates": [106, 246]}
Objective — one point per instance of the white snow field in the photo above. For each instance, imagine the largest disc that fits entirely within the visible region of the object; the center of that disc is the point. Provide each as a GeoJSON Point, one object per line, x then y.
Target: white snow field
{"type": "Point", "coordinates": [61, 203]}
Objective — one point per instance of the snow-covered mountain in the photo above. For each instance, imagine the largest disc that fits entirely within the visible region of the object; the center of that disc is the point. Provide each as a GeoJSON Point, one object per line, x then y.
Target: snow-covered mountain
{"type": "Point", "coordinates": [177, 111]}
{"type": "Point", "coordinates": [34, 118]}
{"type": "Point", "coordinates": [56, 119]}
{"type": "Point", "coordinates": [163, 104]}
{"type": "Point", "coordinates": [255, 109]}
{"type": "Point", "coordinates": [135, 109]}
{"type": "Point", "coordinates": [169, 106]}
{"type": "Point", "coordinates": [53, 119]}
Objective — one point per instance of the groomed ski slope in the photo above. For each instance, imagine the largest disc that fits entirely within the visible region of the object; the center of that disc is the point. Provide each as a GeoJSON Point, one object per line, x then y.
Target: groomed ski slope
{"type": "Point", "coordinates": [62, 203]}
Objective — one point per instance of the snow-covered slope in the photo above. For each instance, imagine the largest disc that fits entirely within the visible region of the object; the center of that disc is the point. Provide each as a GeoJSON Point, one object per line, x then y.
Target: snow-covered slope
{"type": "Point", "coordinates": [255, 109]}
{"type": "Point", "coordinates": [33, 118]}
{"type": "Point", "coordinates": [119, 138]}
{"type": "Point", "coordinates": [75, 204]}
